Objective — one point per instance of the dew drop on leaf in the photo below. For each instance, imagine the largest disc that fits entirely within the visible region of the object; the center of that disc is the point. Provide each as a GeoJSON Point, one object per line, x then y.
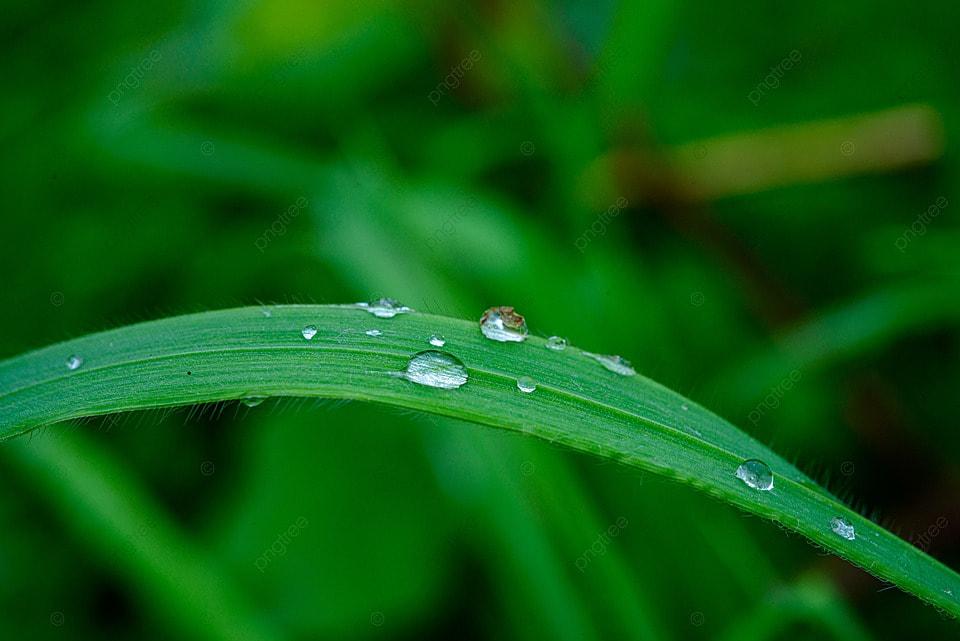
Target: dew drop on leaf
{"type": "Point", "coordinates": [433, 368]}
{"type": "Point", "coordinates": [756, 474]}
{"type": "Point", "coordinates": [526, 384]}
{"type": "Point", "coordinates": [373, 332]}
{"type": "Point", "coordinates": [437, 340]}
{"type": "Point", "coordinates": [309, 331]}
{"type": "Point", "coordinates": [557, 343]}
{"type": "Point", "coordinates": [614, 363]}
{"type": "Point", "coordinates": [384, 307]}
{"type": "Point", "coordinates": [252, 400]}
{"type": "Point", "coordinates": [504, 325]}
{"type": "Point", "coordinates": [843, 527]}
{"type": "Point", "coordinates": [74, 362]}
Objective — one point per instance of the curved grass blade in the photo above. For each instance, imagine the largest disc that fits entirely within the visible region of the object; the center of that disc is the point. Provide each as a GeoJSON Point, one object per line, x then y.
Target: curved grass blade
{"type": "Point", "coordinates": [233, 354]}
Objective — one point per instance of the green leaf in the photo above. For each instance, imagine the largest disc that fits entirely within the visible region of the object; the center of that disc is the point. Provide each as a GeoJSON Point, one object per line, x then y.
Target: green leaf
{"type": "Point", "coordinates": [230, 354]}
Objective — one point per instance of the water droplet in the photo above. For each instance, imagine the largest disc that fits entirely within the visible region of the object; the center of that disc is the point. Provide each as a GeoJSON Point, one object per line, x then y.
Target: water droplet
{"type": "Point", "coordinates": [843, 527]}
{"type": "Point", "coordinates": [252, 400]}
{"type": "Point", "coordinates": [526, 384]}
{"type": "Point", "coordinates": [437, 340]}
{"type": "Point", "coordinates": [756, 474]}
{"type": "Point", "coordinates": [503, 324]}
{"type": "Point", "coordinates": [373, 332]}
{"type": "Point", "coordinates": [614, 363]}
{"type": "Point", "coordinates": [436, 369]}
{"type": "Point", "coordinates": [557, 343]}
{"type": "Point", "coordinates": [685, 407]}
{"type": "Point", "coordinates": [74, 362]}
{"type": "Point", "coordinates": [948, 592]}
{"type": "Point", "coordinates": [309, 331]}
{"type": "Point", "coordinates": [385, 308]}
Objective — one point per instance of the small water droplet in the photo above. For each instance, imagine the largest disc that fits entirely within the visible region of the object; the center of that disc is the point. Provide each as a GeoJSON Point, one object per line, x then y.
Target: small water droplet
{"type": "Point", "coordinates": [504, 325]}
{"type": "Point", "coordinates": [557, 343]}
{"type": "Point", "coordinates": [613, 363]}
{"type": "Point", "coordinates": [252, 400]}
{"type": "Point", "coordinates": [373, 332]}
{"type": "Point", "coordinates": [843, 527]}
{"type": "Point", "coordinates": [266, 312]}
{"type": "Point", "coordinates": [436, 369]}
{"type": "Point", "coordinates": [948, 592]}
{"type": "Point", "coordinates": [74, 362]}
{"type": "Point", "coordinates": [526, 384]}
{"type": "Point", "coordinates": [437, 340]}
{"type": "Point", "coordinates": [685, 407]}
{"type": "Point", "coordinates": [756, 474]}
{"type": "Point", "coordinates": [309, 331]}
{"type": "Point", "coordinates": [384, 308]}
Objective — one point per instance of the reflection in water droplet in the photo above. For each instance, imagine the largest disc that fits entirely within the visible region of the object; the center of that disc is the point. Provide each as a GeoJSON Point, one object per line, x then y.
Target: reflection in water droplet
{"type": "Point", "coordinates": [384, 308]}
{"type": "Point", "coordinates": [756, 474]}
{"type": "Point", "coordinates": [526, 384]}
{"type": "Point", "coordinates": [843, 527]}
{"type": "Point", "coordinates": [74, 361]}
{"type": "Point", "coordinates": [309, 331]}
{"type": "Point", "coordinates": [504, 325]}
{"type": "Point", "coordinates": [373, 332]}
{"type": "Point", "coordinates": [557, 343]}
{"type": "Point", "coordinates": [252, 400]}
{"type": "Point", "coordinates": [613, 363]}
{"type": "Point", "coordinates": [436, 369]}
{"type": "Point", "coordinates": [437, 340]}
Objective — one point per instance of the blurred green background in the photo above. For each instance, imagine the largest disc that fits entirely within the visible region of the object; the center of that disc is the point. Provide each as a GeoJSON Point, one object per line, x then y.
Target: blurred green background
{"type": "Point", "coordinates": [755, 203]}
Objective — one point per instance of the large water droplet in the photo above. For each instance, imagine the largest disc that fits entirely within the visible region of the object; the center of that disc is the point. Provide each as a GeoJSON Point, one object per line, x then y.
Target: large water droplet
{"type": "Point", "coordinates": [756, 474]}
{"type": "Point", "coordinates": [373, 332]}
{"type": "Point", "coordinates": [309, 331]}
{"type": "Point", "coordinates": [613, 363]}
{"type": "Point", "coordinates": [557, 343]}
{"type": "Point", "coordinates": [252, 400]}
{"type": "Point", "coordinates": [503, 324]}
{"type": "Point", "coordinates": [436, 369]}
{"type": "Point", "coordinates": [843, 527]}
{"type": "Point", "coordinates": [526, 384]}
{"type": "Point", "coordinates": [437, 340]}
{"type": "Point", "coordinates": [385, 308]}
{"type": "Point", "coordinates": [74, 362]}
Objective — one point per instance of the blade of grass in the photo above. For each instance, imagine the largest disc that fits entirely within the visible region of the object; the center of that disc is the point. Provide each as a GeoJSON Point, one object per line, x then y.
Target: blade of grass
{"type": "Point", "coordinates": [230, 354]}
{"type": "Point", "coordinates": [110, 510]}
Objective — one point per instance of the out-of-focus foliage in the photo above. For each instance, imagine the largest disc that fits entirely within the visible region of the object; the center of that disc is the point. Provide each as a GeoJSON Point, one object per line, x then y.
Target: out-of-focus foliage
{"type": "Point", "coordinates": [166, 158]}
